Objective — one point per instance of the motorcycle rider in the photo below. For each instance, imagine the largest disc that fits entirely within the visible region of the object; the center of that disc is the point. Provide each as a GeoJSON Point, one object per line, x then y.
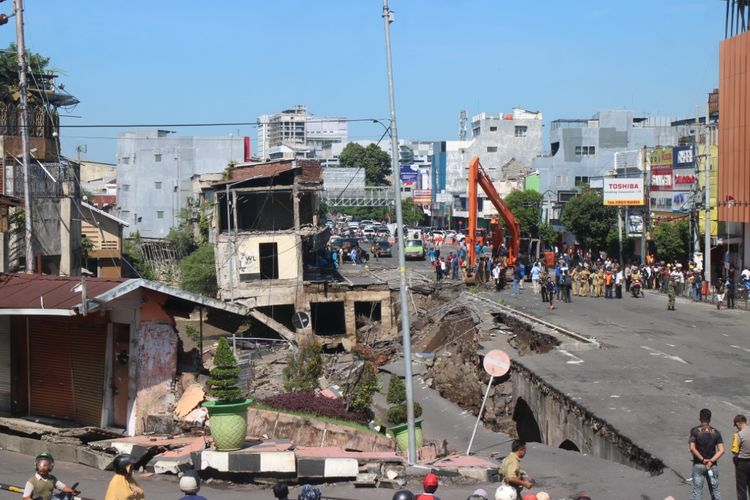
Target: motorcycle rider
{"type": "Point", "coordinates": [123, 486]}
{"type": "Point", "coordinates": [190, 484]}
{"type": "Point", "coordinates": [42, 484]}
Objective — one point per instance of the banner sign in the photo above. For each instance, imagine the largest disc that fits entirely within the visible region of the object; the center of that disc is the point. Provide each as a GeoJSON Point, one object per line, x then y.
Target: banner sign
{"type": "Point", "coordinates": [623, 191]}
{"type": "Point", "coordinates": [661, 157]}
{"type": "Point", "coordinates": [409, 175]}
{"type": "Point", "coordinates": [683, 157]}
{"type": "Point", "coordinates": [423, 196]}
{"type": "Point", "coordinates": [661, 178]}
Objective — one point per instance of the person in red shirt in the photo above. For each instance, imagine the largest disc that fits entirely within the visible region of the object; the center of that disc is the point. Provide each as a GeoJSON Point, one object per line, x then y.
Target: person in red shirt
{"type": "Point", "coordinates": [430, 483]}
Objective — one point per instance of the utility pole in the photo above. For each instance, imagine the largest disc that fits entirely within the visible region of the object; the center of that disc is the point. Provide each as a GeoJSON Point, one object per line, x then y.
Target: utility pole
{"type": "Point", "coordinates": [23, 119]}
{"type": "Point", "coordinates": [707, 205]}
{"type": "Point", "coordinates": [646, 202]}
{"type": "Point", "coordinates": [405, 329]}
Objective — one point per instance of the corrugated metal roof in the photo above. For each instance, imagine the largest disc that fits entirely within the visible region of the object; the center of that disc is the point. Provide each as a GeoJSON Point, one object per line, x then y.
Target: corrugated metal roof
{"type": "Point", "coordinates": [40, 291]}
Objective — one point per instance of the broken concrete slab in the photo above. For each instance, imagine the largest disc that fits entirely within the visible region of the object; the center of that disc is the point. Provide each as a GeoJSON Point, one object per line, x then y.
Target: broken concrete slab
{"type": "Point", "coordinates": [94, 458]}
{"type": "Point", "coordinates": [366, 480]}
{"type": "Point", "coordinates": [177, 460]}
{"type": "Point", "coordinates": [191, 398]}
{"type": "Point", "coordinates": [257, 457]}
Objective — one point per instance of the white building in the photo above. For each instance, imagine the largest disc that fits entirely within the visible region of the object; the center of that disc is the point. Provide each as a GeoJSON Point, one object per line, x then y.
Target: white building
{"type": "Point", "coordinates": [293, 133]}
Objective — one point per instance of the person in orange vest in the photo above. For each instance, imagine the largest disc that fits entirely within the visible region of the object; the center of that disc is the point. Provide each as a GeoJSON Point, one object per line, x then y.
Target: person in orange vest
{"type": "Point", "coordinates": [609, 279]}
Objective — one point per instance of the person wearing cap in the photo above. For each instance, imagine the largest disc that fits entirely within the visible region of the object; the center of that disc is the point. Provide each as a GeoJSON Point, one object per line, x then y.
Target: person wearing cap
{"type": "Point", "coordinates": [42, 484]}
{"type": "Point", "coordinates": [430, 484]}
{"type": "Point", "coordinates": [741, 452]}
{"type": "Point", "coordinates": [190, 484]}
{"type": "Point", "coordinates": [123, 486]}
{"type": "Point", "coordinates": [479, 494]}
{"type": "Point", "coordinates": [510, 469]}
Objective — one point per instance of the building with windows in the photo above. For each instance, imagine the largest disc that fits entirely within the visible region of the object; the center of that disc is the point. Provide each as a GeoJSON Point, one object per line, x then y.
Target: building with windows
{"type": "Point", "coordinates": [293, 133]}
{"type": "Point", "coordinates": [155, 170]}
{"type": "Point", "coordinates": [583, 150]}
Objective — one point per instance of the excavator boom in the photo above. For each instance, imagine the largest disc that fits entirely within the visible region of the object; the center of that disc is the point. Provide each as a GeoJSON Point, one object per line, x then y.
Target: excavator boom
{"type": "Point", "coordinates": [478, 178]}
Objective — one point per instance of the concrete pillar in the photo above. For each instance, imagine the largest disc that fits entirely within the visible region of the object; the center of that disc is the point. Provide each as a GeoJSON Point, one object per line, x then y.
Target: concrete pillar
{"type": "Point", "coordinates": [350, 318]}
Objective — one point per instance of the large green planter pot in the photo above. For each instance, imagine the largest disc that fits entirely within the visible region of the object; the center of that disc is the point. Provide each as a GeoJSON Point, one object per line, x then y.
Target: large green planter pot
{"type": "Point", "coordinates": [401, 433]}
{"type": "Point", "coordinates": [228, 423]}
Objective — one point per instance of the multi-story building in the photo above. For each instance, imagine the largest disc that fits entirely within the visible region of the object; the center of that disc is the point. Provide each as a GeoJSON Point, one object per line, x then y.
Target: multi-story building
{"type": "Point", "coordinates": [155, 170]}
{"type": "Point", "coordinates": [582, 150]}
{"type": "Point", "coordinates": [293, 133]}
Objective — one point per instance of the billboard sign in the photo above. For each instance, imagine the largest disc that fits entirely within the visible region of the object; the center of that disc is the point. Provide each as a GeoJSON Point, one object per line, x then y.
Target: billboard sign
{"type": "Point", "coordinates": [661, 157]}
{"type": "Point", "coordinates": [635, 225]}
{"type": "Point", "coordinates": [423, 196]}
{"type": "Point", "coordinates": [409, 175]}
{"type": "Point", "coordinates": [681, 202]}
{"type": "Point", "coordinates": [684, 179]}
{"type": "Point", "coordinates": [660, 201]}
{"type": "Point", "coordinates": [623, 192]}
{"type": "Point", "coordinates": [661, 178]}
{"type": "Point", "coordinates": [683, 157]}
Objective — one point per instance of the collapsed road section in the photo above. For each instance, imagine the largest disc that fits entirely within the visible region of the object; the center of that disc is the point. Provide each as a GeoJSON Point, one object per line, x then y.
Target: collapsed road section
{"type": "Point", "coordinates": [522, 404]}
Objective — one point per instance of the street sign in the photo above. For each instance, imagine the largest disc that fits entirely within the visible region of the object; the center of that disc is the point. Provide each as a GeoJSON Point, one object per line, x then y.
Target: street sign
{"type": "Point", "coordinates": [496, 363]}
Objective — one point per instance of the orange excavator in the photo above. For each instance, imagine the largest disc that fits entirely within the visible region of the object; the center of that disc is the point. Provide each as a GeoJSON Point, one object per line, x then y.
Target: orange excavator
{"type": "Point", "coordinates": [478, 177]}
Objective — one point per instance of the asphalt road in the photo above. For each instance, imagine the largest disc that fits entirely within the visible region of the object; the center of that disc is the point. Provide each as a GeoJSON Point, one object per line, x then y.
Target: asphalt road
{"type": "Point", "coordinates": [656, 370]}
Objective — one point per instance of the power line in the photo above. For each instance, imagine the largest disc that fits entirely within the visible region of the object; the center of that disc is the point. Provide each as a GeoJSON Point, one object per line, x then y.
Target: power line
{"type": "Point", "coordinates": [209, 124]}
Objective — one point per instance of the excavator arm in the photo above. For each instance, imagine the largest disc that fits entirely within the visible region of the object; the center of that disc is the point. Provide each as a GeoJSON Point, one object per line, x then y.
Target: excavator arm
{"type": "Point", "coordinates": [477, 178]}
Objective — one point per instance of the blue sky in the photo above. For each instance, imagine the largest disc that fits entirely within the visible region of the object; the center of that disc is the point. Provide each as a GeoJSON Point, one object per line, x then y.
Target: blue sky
{"type": "Point", "coordinates": [170, 61]}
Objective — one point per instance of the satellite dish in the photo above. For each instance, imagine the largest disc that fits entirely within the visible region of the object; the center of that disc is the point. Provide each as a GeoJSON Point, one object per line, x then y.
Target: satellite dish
{"type": "Point", "coordinates": [300, 320]}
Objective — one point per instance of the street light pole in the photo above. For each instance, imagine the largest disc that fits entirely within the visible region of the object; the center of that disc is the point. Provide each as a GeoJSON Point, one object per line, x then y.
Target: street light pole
{"type": "Point", "coordinates": [405, 329]}
{"type": "Point", "coordinates": [23, 123]}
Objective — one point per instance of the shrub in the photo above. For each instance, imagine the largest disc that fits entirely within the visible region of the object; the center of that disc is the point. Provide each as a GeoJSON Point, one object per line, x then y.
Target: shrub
{"type": "Point", "coordinates": [397, 397]}
{"type": "Point", "coordinates": [224, 375]}
{"type": "Point", "coordinates": [198, 271]}
{"type": "Point", "coordinates": [304, 367]}
{"type": "Point", "coordinates": [310, 402]}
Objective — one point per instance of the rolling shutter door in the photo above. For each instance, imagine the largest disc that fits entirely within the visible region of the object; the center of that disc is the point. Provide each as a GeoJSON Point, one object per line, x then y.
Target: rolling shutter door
{"type": "Point", "coordinates": [67, 368]}
{"type": "Point", "coordinates": [5, 364]}
{"type": "Point", "coordinates": [88, 344]}
{"type": "Point", "coordinates": [50, 378]}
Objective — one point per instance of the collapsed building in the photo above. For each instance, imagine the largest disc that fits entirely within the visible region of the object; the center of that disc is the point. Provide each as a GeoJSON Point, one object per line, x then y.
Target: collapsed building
{"type": "Point", "coordinates": [271, 255]}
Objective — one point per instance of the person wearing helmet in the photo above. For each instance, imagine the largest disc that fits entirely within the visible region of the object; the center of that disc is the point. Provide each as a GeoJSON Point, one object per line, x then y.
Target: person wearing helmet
{"type": "Point", "coordinates": [479, 494]}
{"type": "Point", "coordinates": [506, 492]}
{"type": "Point", "coordinates": [403, 495]}
{"type": "Point", "coordinates": [42, 484]}
{"type": "Point", "coordinates": [281, 491]}
{"type": "Point", "coordinates": [190, 484]}
{"type": "Point", "coordinates": [430, 484]}
{"type": "Point", "coordinates": [511, 468]}
{"type": "Point", "coordinates": [123, 486]}
{"type": "Point", "coordinates": [309, 492]}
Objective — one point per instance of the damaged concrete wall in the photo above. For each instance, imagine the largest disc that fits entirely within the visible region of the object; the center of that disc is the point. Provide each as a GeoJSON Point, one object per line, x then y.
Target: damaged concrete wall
{"type": "Point", "coordinates": [559, 419]}
{"type": "Point", "coordinates": [157, 366]}
{"type": "Point", "coordinates": [349, 298]}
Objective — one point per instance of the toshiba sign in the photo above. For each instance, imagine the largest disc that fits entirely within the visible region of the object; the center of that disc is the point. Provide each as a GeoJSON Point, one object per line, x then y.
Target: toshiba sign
{"type": "Point", "coordinates": [623, 191]}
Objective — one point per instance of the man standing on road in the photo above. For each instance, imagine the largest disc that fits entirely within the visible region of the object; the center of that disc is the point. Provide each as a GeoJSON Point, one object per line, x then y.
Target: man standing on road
{"type": "Point", "coordinates": [742, 457]}
{"type": "Point", "coordinates": [671, 292]}
{"type": "Point", "coordinates": [511, 471]}
{"type": "Point", "coordinates": [706, 447]}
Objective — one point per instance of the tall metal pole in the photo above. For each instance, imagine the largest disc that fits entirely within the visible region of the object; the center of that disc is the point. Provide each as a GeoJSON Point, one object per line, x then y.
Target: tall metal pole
{"type": "Point", "coordinates": [707, 206]}
{"type": "Point", "coordinates": [23, 121]}
{"type": "Point", "coordinates": [405, 330]}
{"type": "Point", "coordinates": [646, 200]}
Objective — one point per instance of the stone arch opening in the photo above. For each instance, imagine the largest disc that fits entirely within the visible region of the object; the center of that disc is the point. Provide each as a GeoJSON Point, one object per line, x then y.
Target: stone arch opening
{"type": "Point", "coordinates": [526, 425]}
{"type": "Point", "coordinates": [569, 445]}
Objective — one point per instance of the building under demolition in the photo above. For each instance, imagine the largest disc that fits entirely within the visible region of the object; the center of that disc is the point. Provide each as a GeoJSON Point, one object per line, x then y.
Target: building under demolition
{"type": "Point", "coordinates": [271, 255]}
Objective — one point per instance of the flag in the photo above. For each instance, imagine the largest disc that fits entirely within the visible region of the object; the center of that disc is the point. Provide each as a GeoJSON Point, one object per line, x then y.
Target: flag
{"type": "Point", "coordinates": [729, 199]}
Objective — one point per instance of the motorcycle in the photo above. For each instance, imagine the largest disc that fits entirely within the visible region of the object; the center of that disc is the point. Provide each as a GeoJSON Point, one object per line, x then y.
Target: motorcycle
{"type": "Point", "coordinates": [635, 288]}
{"type": "Point", "coordinates": [56, 496]}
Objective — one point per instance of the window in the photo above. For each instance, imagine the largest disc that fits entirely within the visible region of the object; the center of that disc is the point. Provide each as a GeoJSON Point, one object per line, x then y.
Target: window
{"type": "Point", "coordinates": [157, 157]}
{"type": "Point", "coordinates": [269, 261]}
{"type": "Point", "coordinates": [125, 160]}
{"type": "Point", "coordinates": [160, 214]}
{"type": "Point", "coordinates": [125, 214]}
{"type": "Point", "coordinates": [492, 149]}
{"type": "Point", "coordinates": [581, 181]}
{"type": "Point", "coordinates": [522, 130]}
{"type": "Point", "coordinates": [561, 181]}
{"type": "Point", "coordinates": [493, 129]}
{"type": "Point", "coordinates": [157, 185]}
{"type": "Point", "coordinates": [585, 150]}
{"type": "Point", "coordinates": [126, 187]}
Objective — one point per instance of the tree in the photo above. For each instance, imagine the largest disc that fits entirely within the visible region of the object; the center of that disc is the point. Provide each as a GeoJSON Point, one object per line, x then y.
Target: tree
{"type": "Point", "coordinates": [411, 212]}
{"type": "Point", "coordinates": [198, 271]}
{"type": "Point", "coordinates": [589, 219]}
{"type": "Point", "coordinates": [527, 208]}
{"type": "Point", "coordinates": [375, 161]}
{"type": "Point", "coordinates": [303, 367]}
{"type": "Point", "coordinates": [672, 240]}
{"type": "Point", "coordinates": [224, 379]}
{"type": "Point", "coordinates": [9, 71]}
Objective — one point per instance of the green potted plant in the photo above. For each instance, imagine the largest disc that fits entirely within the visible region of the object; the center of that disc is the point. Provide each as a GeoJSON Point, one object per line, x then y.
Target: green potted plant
{"type": "Point", "coordinates": [397, 414]}
{"type": "Point", "coordinates": [228, 408]}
